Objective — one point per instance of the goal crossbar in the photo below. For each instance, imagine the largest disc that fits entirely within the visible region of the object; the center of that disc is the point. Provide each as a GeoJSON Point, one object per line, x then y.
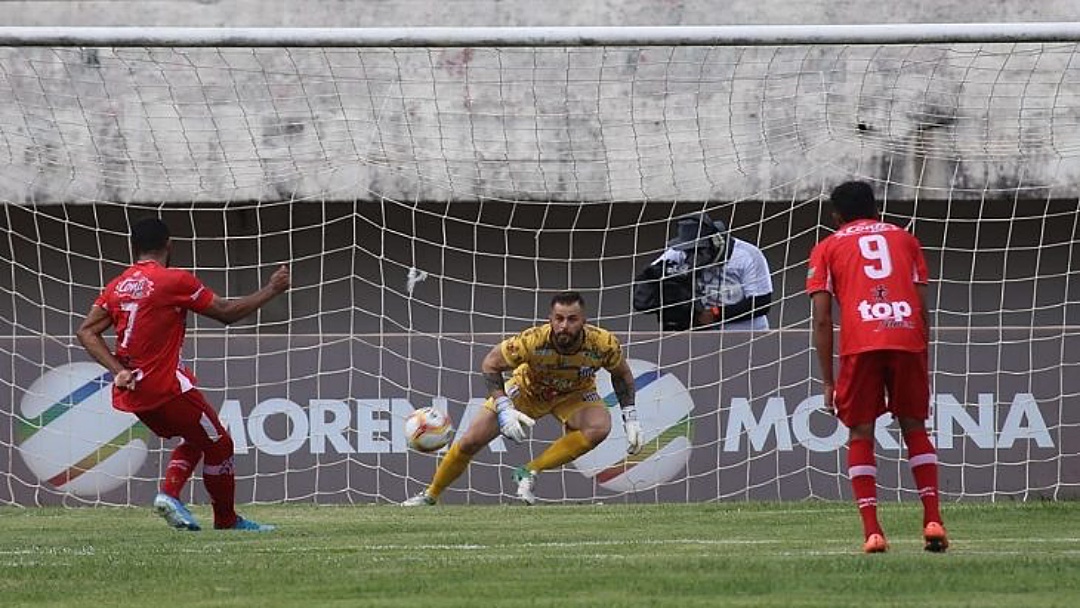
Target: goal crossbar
{"type": "Point", "coordinates": [746, 35]}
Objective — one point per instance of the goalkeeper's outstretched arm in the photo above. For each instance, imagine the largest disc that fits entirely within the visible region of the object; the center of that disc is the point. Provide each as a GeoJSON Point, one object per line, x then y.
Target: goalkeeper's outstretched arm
{"type": "Point", "coordinates": [512, 423]}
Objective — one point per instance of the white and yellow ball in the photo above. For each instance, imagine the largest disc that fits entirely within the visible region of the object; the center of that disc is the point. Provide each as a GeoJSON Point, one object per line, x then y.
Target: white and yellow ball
{"type": "Point", "coordinates": [428, 430]}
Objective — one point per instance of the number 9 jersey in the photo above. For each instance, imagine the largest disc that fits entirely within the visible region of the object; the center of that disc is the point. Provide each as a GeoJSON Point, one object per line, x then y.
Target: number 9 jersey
{"type": "Point", "coordinates": [148, 304]}
{"type": "Point", "coordinates": [872, 269]}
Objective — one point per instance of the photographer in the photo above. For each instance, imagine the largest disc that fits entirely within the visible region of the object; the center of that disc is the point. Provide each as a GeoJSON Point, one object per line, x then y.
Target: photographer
{"type": "Point", "coordinates": [706, 278]}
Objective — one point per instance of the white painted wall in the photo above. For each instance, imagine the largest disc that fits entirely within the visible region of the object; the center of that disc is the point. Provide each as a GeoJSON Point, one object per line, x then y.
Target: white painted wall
{"type": "Point", "coordinates": [463, 124]}
{"type": "Point", "coordinates": [369, 13]}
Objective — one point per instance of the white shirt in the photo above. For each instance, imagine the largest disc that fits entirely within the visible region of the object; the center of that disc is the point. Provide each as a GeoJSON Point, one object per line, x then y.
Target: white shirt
{"type": "Point", "coordinates": [745, 274]}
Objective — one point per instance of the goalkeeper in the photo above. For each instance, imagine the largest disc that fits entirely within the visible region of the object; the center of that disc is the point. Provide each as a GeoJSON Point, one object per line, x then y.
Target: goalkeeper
{"type": "Point", "coordinates": [706, 278]}
{"type": "Point", "coordinates": [554, 372]}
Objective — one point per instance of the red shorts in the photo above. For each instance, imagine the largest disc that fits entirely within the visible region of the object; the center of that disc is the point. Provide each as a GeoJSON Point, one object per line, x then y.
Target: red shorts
{"type": "Point", "coordinates": [189, 416]}
{"type": "Point", "coordinates": [866, 378]}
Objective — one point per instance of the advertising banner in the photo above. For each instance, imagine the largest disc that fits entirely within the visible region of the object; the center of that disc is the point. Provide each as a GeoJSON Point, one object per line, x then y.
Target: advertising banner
{"type": "Point", "coordinates": [727, 416]}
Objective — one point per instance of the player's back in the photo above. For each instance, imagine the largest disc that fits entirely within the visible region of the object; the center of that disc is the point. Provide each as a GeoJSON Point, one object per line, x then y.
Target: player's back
{"type": "Point", "coordinates": [873, 269]}
{"type": "Point", "coordinates": [148, 304]}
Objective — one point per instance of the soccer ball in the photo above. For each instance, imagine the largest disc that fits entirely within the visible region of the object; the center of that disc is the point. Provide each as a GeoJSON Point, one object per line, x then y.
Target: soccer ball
{"type": "Point", "coordinates": [427, 429]}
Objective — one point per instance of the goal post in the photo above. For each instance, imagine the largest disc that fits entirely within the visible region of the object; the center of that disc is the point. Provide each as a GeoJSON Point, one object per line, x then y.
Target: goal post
{"type": "Point", "coordinates": [431, 188]}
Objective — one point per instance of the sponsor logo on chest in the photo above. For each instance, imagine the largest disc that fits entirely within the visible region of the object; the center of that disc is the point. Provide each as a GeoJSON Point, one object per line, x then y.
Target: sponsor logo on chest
{"type": "Point", "coordinates": [897, 312]}
{"type": "Point", "coordinates": [136, 287]}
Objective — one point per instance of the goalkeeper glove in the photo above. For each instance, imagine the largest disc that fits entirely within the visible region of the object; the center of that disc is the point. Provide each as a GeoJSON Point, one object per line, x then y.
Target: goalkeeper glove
{"type": "Point", "coordinates": [634, 435]}
{"type": "Point", "coordinates": [512, 423]}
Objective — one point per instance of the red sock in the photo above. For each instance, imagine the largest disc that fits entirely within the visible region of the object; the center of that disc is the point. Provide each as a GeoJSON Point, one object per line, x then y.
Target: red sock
{"type": "Point", "coordinates": [862, 469]}
{"type": "Point", "coordinates": [181, 465]}
{"type": "Point", "coordinates": [922, 459]}
{"type": "Point", "coordinates": [220, 481]}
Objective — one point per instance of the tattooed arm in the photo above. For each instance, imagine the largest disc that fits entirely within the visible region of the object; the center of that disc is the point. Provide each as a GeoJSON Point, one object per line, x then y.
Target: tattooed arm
{"type": "Point", "coordinates": [492, 369]}
{"type": "Point", "coordinates": [622, 381]}
{"type": "Point", "coordinates": [512, 423]}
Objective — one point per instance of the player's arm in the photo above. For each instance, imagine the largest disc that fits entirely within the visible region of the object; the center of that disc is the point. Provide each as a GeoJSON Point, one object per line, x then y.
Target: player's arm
{"type": "Point", "coordinates": [229, 311]}
{"type": "Point", "coordinates": [922, 277]}
{"type": "Point", "coordinates": [512, 423]}
{"type": "Point", "coordinates": [90, 332]}
{"type": "Point", "coordinates": [746, 308]}
{"type": "Point", "coordinates": [920, 289]}
{"type": "Point", "coordinates": [622, 382]}
{"type": "Point", "coordinates": [821, 303]}
{"type": "Point", "coordinates": [492, 368]}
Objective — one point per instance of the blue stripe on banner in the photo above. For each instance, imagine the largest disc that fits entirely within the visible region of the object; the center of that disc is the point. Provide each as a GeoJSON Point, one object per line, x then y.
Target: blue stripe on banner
{"type": "Point", "coordinates": [75, 398]}
{"type": "Point", "coordinates": [640, 382]}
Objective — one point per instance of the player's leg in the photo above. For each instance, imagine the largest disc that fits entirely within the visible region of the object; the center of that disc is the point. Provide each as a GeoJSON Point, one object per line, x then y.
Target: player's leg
{"type": "Point", "coordinates": [165, 422]}
{"type": "Point", "coordinates": [909, 400]}
{"type": "Point", "coordinates": [182, 463]}
{"type": "Point", "coordinates": [922, 460]}
{"type": "Point", "coordinates": [862, 470]}
{"type": "Point", "coordinates": [859, 401]}
{"type": "Point", "coordinates": [191, 417]}
{"type": "Point", "coordinates": [587, 423]}
{"type": "Point", "coordinates": [483, 427]}
{"type": "Point", "coordinates": [184, 457]}
{"type": "Point", "coordinates": [204, 429]}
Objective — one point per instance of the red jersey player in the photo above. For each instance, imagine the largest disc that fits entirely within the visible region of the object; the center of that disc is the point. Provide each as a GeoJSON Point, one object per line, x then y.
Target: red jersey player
{"type": "Point", "coordinates": [877, 274]}
{"type": "Point", "coordinates": [148, 305]}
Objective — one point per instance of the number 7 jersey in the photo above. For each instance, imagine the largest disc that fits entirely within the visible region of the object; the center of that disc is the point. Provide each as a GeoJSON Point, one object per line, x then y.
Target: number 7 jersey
{"type": "Point", "coordinates": [872, 269]}
{"type": "Point", "coordinates": [148, 304]}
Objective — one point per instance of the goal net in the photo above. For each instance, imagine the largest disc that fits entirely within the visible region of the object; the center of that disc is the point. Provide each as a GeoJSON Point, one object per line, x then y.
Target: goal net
{"type": "Point", "coordinates": [430, 193]}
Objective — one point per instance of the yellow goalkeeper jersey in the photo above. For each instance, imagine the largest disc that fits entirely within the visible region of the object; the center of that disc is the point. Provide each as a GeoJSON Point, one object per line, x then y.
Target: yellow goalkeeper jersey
{"type": "Point", "coordinates": [542, 371]}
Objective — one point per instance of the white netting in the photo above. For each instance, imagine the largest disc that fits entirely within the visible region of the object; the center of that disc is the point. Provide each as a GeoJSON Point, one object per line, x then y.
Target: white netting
{"type": "Point", "coordinates": [493, 176]}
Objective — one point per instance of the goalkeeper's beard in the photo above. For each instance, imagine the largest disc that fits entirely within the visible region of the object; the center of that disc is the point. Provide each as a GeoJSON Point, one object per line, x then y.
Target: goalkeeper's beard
{"type": "Point", "coordinates": [566, 342]}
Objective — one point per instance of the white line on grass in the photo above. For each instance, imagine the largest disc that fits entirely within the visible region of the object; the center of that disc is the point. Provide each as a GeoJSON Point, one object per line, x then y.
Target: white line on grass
{"type": "Point", "coordinates": [971, 546]}
{"type": "Point", "coordinates": [476, 547]}
{"type": "Point", "coordinates": [573, 544]}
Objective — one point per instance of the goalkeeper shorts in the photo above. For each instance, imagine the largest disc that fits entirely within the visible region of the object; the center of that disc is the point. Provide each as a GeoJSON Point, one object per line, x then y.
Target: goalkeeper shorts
{"type": "Point", "coordinates": [562, 407]}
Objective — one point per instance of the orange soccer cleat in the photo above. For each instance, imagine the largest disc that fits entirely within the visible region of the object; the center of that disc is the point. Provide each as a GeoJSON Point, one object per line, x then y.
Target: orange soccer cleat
{"type": "Point", "coordinates": [875, 543]}
{"type": "Point", "coordinates": [936, 539]}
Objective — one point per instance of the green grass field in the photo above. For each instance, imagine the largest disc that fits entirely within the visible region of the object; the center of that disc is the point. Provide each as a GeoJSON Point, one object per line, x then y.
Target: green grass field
{"type": "Point", "coordinates": [803, 554]}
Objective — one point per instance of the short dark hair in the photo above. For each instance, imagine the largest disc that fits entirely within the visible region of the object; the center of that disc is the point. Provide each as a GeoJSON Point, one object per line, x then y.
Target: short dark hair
{"type": "Point", "coordinates": [567, 298]}
{"type": "Point", "coordinates": [854, 201]}
{"type": "Point", "coordinates": [149, 234]}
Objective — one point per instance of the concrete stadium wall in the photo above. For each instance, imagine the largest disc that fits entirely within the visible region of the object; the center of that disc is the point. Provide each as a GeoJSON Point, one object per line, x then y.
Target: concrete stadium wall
{"type": "Point", "coordinates": [597, 124]}
{"type": "Point", "coordinates": [370, 13]}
